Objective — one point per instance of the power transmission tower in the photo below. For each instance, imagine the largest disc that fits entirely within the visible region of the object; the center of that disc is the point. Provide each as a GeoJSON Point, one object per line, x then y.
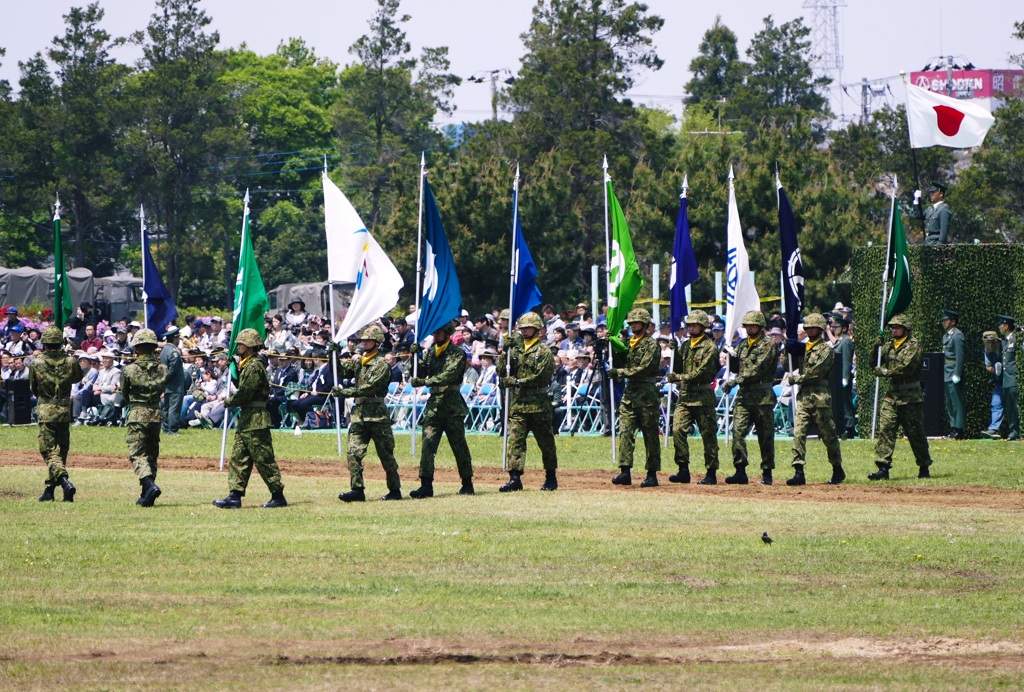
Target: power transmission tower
{"type": "Point", "coordinates": [824, 24]}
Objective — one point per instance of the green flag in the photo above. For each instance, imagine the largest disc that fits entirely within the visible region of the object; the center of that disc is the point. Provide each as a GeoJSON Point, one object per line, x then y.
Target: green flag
{"type": "Point", "coordinates": [899, 267]}
{"type": "Point", "coordinates": [251, 301]}
{"type": "Point", "coordinates": [62, 309]}
{"type": "Point", "coordinates": [624, 281]}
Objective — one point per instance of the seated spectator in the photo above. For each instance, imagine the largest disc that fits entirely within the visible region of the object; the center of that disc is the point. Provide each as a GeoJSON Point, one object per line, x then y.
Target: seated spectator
{"type": "Point", "coordinates": [79, 390]}
{"type": "Point", "coordinates": [278, 338]}
{"type": "Point", "coordinates": [105, 397]}
{"type": "Point", "coordinates": [317, 389]}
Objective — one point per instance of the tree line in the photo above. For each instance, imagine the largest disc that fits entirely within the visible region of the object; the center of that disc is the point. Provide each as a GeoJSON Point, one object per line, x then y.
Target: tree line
{"type": "Point", "coordinates": [188, 127]}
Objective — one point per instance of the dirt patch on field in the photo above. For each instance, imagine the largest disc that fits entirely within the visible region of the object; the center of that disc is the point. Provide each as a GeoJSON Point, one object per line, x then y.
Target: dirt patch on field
{"type": "Point", "coordinates": [488, 478]}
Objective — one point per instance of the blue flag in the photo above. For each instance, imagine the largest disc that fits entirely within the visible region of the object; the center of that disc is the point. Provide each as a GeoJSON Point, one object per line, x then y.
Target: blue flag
{"type": "Point", "coordinates": [160, 308]}
{"type": "Point", "coordinates": [792, 267]}
{"type": "Point", "coordinates": [525, 294]}
{"type": "Point", "coordinates": [684, 266]}
{"type": "Point", "coordinates": [442, 296]}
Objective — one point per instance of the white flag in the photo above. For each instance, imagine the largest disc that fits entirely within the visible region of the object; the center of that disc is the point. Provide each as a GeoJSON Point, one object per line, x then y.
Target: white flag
{"type": "Point", "coordinates": [377, 287]}
{"type": "Point", "coordinates": [936, 120]}
{"type": "Point", "coordinates": [344, 235]}
{"type": "Point", "coordinates": [740, 292]}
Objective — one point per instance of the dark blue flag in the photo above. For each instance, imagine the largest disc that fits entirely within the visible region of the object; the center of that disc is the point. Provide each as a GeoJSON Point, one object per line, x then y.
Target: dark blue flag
{"type": "Point", "coordinates": [683, 271]}
{"type": "Point", "coordinates": [792, 267]}
{"type": "Point", "coordinates": [525, 294]}
{"type": "Point", "coordinates": [442, 295]}
{"type": "Point", "coordinates": [160, 308]}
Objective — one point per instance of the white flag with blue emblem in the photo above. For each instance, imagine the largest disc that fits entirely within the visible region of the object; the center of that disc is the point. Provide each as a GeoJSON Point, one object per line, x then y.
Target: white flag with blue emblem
{"type": "Point", "coordinates": [740, 292]}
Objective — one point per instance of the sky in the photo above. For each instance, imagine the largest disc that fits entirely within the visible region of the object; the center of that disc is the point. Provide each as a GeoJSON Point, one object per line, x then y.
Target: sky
{"type": "Point", "coordinates": [879, 38]}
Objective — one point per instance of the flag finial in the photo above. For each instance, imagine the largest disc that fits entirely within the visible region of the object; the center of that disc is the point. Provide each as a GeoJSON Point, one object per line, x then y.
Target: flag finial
{"type": "Point", "coordinates": [515, 183]}
{"type": "Point", "coordinates": [731, 175]}
{"type": "Point", "coordinates": [325, 164]}
{"type": "Point", "coordinates": [686, 185]}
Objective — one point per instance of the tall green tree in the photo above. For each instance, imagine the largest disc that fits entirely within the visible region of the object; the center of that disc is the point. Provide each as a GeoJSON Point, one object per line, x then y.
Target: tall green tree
{"type": "Point", "coordinates": [718, 71]}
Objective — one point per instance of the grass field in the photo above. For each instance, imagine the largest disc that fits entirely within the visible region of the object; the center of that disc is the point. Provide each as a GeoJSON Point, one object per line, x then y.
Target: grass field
{"type": "Point", "coordinates": [913, 584]}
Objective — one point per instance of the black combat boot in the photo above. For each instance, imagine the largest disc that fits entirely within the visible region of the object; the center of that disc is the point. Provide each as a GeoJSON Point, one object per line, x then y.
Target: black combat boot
{"type": "Point", "coordinates": [624, 477]}
{"type": "Point", "coordinates": [651, 481]}
{"type": "Point", "coordinates": [709, 479]}
{"type": "Point", "coordinates": [47, 495]}
{"type": "Point", "coordinates": [798, 476]}
{"type": "Point", "coordinates": [683, 476]}
{"type": "Point", "coordinates": [738, 478]}
{"type": "Point", "coordinates": [882, 474]}
{"type": "Point", "coordinates": [426, 489]}
{"type": "Point", "coordinates": [550, 481]}
{"type": "Point", "coordinates": [467, 488]}
{"type": "Point", "coordinates": [150, 492]}
{"type": "Point", "coordinates": [838, 475]}
{"type": "Point", "coordinates": [515, 482]}
{"type": "Point", "coordinates": [922, 472]}
{"type": "Point", "coordinates": [766, 477]}
{"type": "Point", "coordinates": [69, 490]}
{"type": "Point", "coordinates": [353, 495]}
{"type": "Point", "coordinates": [232, 501]}
{"type": "Point", "coordinates": [276, 500]}
{"type": "Point", "coordinates": [392, 495]}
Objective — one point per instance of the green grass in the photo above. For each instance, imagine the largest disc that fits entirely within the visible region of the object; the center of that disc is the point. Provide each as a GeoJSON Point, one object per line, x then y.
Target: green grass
{"type": "Point", "coordinates": [101, 592]}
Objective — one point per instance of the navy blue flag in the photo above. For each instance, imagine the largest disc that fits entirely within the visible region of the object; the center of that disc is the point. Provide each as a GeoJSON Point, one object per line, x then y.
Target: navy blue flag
{"type": "Point", "coordinates": [442, 295]}
{"type": "Point", "coordinates": [792, 267]}
{"type": "Point", "coordinates": [683, 271]}
{"type": "Point", "coordinates": [160, 308]}
{"type": "Point", "coordinates": [525, 294]}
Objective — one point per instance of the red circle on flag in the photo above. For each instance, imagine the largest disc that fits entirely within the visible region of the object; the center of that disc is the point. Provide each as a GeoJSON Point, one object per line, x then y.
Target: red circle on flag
{"type": "Point", "coordinates": [949, 120]}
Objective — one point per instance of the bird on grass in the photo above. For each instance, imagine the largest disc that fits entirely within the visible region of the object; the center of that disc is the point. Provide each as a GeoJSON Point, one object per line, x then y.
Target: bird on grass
{"type": "Point", "coordinates": [766, 539]}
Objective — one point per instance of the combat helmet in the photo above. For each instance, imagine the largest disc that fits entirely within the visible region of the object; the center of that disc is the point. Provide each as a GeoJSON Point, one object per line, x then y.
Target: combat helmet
{"type": "Point", "coordinates": [249, 337]}
{"type": "Point", "coordinates": [505, 314]}
{"type": "Point", "coordinates": [814, 320]}
{"type": "Point", "coordinates": [448, 327]}
{"type": "Point", "coordinates": [52, 336]}
{"type": "Point", "coordinates": [372, 332]}
{"type": "Point", "coordinates": [638, 315]}
{"type": "Point", "coordinates": [531, 319]}
{"type": "Point", "coordinates": [143, 337]}
{"type": "Point", "coordinates": [899, 320]}
{"type": "Point", "coordinates": [754, 317]}
{"type": "Point", "coordinates": [699, 317]}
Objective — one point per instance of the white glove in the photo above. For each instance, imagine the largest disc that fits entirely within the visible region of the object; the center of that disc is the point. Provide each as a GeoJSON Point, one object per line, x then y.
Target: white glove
{"type": "Point", "coordinates": [999, 369]}
{"type": "Point", "coordinates": [955, 379]}
{"type": "Point", "coordinates": [730, 350]}
{"type": "Point", "coordinates": [917, 197]}
{"type": "Point", "coordinates": [846, 383]}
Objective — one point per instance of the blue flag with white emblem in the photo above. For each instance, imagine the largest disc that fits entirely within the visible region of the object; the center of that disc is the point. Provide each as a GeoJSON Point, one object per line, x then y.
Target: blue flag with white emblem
{"type": "Point", "coordinates": [160, 308]}
{"type": "Point", "coordinates": [442, 295]}
{"type": "Point", "coordinates": [792, 266]}
{"type": "Point", "coordinates": [525, 294]}
{"type": "Point", "coordinates": [684, 266]}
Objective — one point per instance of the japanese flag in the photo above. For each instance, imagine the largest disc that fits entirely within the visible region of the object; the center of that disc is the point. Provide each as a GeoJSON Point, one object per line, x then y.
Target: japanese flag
{"type": "Point", "coordinates": [940, 121]}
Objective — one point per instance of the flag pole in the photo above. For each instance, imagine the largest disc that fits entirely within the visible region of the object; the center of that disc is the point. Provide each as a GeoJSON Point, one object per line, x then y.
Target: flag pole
{"type": "Point", "coordinates": [913, 152]}
{"type": "Point", "coordinates": [142, 241]}
{"type": "Point", "coordinates": [227, 373]}
{"type": "Point", "coordinates": [608, 293]}
{"type": "Point", "coordinates": [672, 326]}
{"type": "Point", "coordinates": [511, 298]}
{"type": "Point", "coordinates": [885, 290]}
{"type": "Point", "coordinates": [419, 271]}
{"type": "Point", "coordinates": [334, 354]}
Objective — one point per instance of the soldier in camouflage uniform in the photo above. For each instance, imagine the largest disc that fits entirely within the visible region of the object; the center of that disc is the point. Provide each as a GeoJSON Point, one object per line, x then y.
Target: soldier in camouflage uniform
{"type": "Point", "coordinates": [370, 419]}
{"type": "Point", "coordinates": [814, 402]}
{"type": "Point", "coordinates": [142, 384]}
{"type": "Point", "coordinates": [50, 378]}
{"type": "Point", "coordinates": [695, 367]}
{"type": "Point", "coordinates": [253, 443]}
{"type": "Point", "coordinates": [640, 408]}
{"type": "Point", "coordinates": [755, 362]}
{"type": "Point", "coordinates": [903, 404]}
{"type": "Point", "coordinates": [532, 367]}
{"type": "Point", "coordinates": [442, 369]}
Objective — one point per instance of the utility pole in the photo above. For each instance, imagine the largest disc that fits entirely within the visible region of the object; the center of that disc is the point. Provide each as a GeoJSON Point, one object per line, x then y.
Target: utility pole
{"type": "Point", "coordinates": [493, 76]}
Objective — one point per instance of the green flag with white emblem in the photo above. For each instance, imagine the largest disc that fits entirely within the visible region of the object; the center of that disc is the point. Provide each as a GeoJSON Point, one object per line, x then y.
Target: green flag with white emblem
{"type": "Point", "coordinates": [251, 301]}
{"type": "Point", "coordinates": [624, 280]}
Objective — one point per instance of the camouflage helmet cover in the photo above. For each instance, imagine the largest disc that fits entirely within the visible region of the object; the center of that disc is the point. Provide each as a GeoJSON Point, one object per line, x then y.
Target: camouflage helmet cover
{"type": "Point", "coordinates": [372, 332]}
{"type": "Point", "coordinates": [448, 327]}
{"type": "Point", "coordinates": [249, 337]}
{"type": "Point", "coordinates": [505, 314]}
{"type": "Point", "coordinates": [638, 315]}
{"type": "Point", "coordinates": [898, 321]}
{"type": "Point", "coordinates": [755, 317]}
{"type": "Point", "coordinates": [52, 336]}
{"type": "Point", "coordinates": [530, 319]}
{"type": "Point", "coordinates": [699, 317]}
{"type": "Point", "coordinates": [143, 337]}
{"type": "Point", "coordinates": [814, 320]}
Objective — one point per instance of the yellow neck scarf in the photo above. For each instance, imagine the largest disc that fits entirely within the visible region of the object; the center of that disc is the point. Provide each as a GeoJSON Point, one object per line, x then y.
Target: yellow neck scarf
{"type": "Point", "coordinates": [528, 343]}
{"type": "Point", "coordinates": [898, 342]}
{"type": "Point", "coordinates": [438, 350]}
{"type": "Point", "coordinates": [811, 344]}
{"type": "Point", "coordinates": [634, 340]}
{"type": "Point", "coordinates": [245, 360]}
{"type": "Point", "coordinates": [367, 357]}
{"type": "Point", "coordinates": [694, 340]}
{"type": "Point", "coordinates": [752, 340]}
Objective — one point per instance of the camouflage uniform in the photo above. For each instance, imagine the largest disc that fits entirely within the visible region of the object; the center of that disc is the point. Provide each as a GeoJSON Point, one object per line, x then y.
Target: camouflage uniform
{"type": "Point", "coordinates": [142, 383]}
{"type": "Point", "coordinates": [446, 410]}
{"type": "Point", "coordinates": [50, 376]}
{"type": "Point", "coordinates": [903, 404]}
{"type": "Point", "coordinates": [253, 443]}
{"type": "Point", "coordinates": [530, 407]}
{"type": "Point", "coordinates": [695, 368]}
{"type": "Point", "coordinates": [640, 408]}
{"type": "Point", "coordinates": [370, 419]}
{"type": "Point", "coordinates": [755, 402]}
{"type": "Point", "coordinates": [814, 403]}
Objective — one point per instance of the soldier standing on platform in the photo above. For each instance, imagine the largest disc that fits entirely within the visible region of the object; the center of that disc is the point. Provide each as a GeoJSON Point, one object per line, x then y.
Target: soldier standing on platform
{"type": "Point", "coordinates": [843, 348]}
{"type": "Point", "coordinates": [814, 402]}
{"type": "Point", "coordinates": [695, 367]}
{"type": "Point", "coordinates": [755, 361]}
{"type": "Point", "coordinates": [640, 408]}
{"type": "Point", "coordinates": [953, 373]}
{"type": "Point", "coordinates": [142, 385]}
{"type": "Point", "coordinates": [50, 378]}
{"type": "Point", "coordinates": [1011, 347]}
{"type": "Point", "coordinates": [442, 369]}
{"type": "Point", "coordinates": [903, 404]}
{"type": "Point", "coordinates": [938, 217]}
